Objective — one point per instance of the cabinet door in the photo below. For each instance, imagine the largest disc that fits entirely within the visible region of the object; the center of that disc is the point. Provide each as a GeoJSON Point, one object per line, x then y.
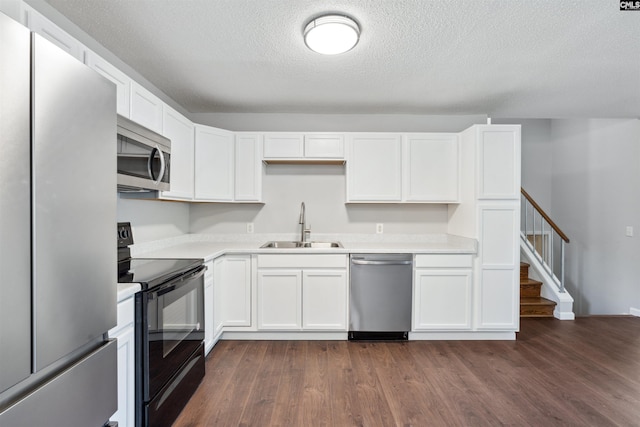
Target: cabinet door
{"type": "Point", "coordinates": [125, 416]}
{"type": "Point", "coordinates": [283, 146]}
{"type": "Point", "coordinates": [324, 300]}
{"type": "Point", "coordinates": [442, 299]}
{"type": "Point", "coordinates": [120, 79]}
{"type": "Point", "coordinates": [218, 287]}
{"type": "Point", "coordinates": [235, 291]}
{"type": "Point", "coordinates": [279, 299]}
{"type": "Point", "coordinates": [431, 168]}
{"type": "Point", "coordinates": [248, 173]}
{"type": "Point", "coordinates": [208, 314]}
{"type": "Point", "coordinates": [324, 145]}
{"type": "Point", "coordinates": [146, 108]}
{"type": "Point", "coordinates": [374, 168]}
{"type": "Point", "coordinates": [180, 131]}
{"type": "Point", "coordinates": [499, 158]}
{"type": "Point", "coordinates": [50, 31]}
{"type": "Point", "coordinates": [499, 255]}
{"type": "Point", "coordinates": [214, 164]}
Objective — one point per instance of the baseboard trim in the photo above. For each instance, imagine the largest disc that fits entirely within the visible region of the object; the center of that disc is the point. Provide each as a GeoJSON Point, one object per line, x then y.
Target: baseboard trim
{"type": "Point", "coordinates": [285, 335]}
{"type": "Point", "coordinates": [463, 336]}
{"type": "Point", "coordinates": [564, 315]}
{"type": "Point", "coordinates": [634, 311]}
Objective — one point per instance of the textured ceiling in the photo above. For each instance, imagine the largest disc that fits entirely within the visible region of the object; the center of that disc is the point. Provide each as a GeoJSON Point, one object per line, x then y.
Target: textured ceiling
{"type": "Point", "coordinates": [504, 58]}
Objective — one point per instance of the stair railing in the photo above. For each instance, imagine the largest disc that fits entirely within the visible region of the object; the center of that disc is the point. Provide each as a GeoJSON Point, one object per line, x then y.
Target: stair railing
{"type": "Point", "coordinates": [544, 238]}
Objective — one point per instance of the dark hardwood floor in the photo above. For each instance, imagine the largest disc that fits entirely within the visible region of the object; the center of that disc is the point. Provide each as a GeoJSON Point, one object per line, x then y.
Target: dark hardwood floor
{"type": "Point", "coordinates": [557, 373]}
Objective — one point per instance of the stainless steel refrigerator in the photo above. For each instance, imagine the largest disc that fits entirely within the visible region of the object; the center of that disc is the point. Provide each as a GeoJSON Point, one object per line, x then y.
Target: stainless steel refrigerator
{"type": "Point", "coordinates": [57, 247]}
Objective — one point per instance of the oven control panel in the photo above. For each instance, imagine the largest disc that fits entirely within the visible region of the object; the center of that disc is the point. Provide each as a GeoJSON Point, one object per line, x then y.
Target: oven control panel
{"type": "Point", "coordinates": [125, 236]}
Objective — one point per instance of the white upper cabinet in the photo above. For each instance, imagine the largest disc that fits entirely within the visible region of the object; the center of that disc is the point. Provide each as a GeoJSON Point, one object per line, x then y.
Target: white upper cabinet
{"type": "Point", "coordinates": [499, 162]}
{"type": "Point", "coordinates": [324, 146]}
{"type": "Point", "coordinates": [403, 168]}
{"type": "Point", "coordinates": [228, 166]}
{"type": "Point", "coordinates": [146, 108]}
{"type": "Point", "coordinates": [303, 146]}
{"type": "Point", "coordinates": [214, 164]}
{"type": "Point", "coordinates": [120, 79]}
{"type": "Point", "coordinates": [248, 168]}
{"type": "Point", "coordinates": [283, 146]}
{"type": "Point", "coordinates": [180, 131]}
{"type": "Point", "coordinates": [431, 167]}
{"type": "Point", "coordinates": [374, 168]}
{"type": "Point", "coordinates": [50, 31]}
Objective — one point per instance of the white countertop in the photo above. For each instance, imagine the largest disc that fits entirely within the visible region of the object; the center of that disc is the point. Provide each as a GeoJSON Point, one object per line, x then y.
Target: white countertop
{"type": "Point", "coordinates": [127, 290]}
{"type": "Point", "coordinates": [208, 247]}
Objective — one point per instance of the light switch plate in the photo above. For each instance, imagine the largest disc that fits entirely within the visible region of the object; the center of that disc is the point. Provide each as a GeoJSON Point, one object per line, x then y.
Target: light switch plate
{"type": "Point", "coordinates": [379, 228]}
{"type": "Point", "coordinates": [629, 231]}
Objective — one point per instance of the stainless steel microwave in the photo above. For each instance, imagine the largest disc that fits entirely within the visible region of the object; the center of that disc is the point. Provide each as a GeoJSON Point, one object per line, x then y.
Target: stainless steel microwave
{"type": "Point", "coordinates": [144, 158]}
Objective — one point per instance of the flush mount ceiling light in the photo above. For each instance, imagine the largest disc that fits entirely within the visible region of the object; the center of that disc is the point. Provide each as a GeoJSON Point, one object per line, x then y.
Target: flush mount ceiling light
{"type": "Point", "coordinates": [331, 34]}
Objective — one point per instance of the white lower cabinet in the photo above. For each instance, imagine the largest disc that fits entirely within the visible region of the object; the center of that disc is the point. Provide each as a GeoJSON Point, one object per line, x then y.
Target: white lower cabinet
{"type": "Point", "coordinates": [302, 292]}
{"type": "Point", "coordinates": [324, 300]}
{"type": "Point", "coordinates": [124, 332]}
{"type": "Point", "coordinates": [498, 294]}
{"type": "Point", "coordinates": [232, 288]}
{"type": "Point", "coordinates": [279, 299]}
{"type": "Point", "coordinates": [442, 296]}
{"type": "Point", "coordinates": [209, 302]}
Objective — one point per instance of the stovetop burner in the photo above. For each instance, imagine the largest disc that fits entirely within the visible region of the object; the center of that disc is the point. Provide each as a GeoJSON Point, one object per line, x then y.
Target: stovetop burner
{"type": "Point", "coordinates": [149, 272]}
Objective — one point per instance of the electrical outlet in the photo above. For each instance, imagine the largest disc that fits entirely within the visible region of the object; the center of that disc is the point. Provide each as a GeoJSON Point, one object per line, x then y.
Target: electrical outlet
{"type": "Point", "coordinates": [629, 231]}
{"type": "Point", "coordinates": [379, 228]}
{"type": "Point", "coordinates": [249, 227]}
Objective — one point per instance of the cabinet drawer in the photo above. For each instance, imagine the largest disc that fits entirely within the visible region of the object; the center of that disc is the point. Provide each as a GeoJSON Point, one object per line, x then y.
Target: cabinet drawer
{"type": "Point", "coordinates": [301, 261]}
{"type": "Point", "coordinates": [444, 261]}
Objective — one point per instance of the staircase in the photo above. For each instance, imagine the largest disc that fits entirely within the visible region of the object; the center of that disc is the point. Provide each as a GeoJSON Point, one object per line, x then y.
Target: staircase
{"type": "Point", "coordinates": [531, 303]}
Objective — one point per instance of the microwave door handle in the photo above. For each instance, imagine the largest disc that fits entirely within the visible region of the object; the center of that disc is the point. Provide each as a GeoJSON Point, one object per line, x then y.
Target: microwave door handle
{"type": "Point", "coordinates": [155, 150]}
{"type": "Point", "coordinates": [162, 166]}
{"type": "Point", "coordinates": [150, 162]}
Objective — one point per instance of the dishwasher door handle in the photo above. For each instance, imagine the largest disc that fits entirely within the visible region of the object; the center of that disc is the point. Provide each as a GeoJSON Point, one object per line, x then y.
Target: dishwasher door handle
{"type": "Point", "coordinates": [372, 262]}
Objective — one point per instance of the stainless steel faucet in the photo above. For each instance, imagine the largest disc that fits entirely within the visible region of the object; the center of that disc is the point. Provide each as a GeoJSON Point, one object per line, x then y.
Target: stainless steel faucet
{"type": "Point", "coordinates": [304, 231]}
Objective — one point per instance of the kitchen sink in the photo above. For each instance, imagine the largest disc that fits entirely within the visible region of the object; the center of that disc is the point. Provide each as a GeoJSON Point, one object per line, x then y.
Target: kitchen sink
{"type": "Point", "coordinates": [295, 245]}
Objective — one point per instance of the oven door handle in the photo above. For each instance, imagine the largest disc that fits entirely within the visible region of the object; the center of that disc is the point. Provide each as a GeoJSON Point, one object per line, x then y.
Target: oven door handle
{"type": "Point", "coordinates": [180, 281]}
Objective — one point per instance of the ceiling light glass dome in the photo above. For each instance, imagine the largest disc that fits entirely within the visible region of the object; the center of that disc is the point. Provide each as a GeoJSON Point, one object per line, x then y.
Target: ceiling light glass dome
{"type": "Point", "coordinates": [331, 34]}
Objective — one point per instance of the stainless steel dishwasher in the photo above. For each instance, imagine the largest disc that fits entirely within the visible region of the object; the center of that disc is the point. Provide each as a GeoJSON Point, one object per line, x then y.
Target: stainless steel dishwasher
{"type": "Point", "coordinates": [380, 296]}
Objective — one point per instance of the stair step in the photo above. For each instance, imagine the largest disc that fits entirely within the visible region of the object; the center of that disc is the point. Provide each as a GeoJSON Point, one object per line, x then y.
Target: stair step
{"type": "Point", "coordinates": [524, 270]}
{"type": "Point", "coordinates": [530, 288]}
{"type": "Point", "coordinates": [536, 307]}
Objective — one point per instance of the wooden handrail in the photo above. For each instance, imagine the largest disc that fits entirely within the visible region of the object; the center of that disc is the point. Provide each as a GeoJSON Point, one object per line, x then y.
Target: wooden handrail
{"type": "Point", "coordinates": [544, 215]}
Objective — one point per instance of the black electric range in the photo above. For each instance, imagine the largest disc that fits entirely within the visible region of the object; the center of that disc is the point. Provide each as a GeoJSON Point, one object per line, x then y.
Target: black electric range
{"type": "Point", "coordinates": [169, 331]}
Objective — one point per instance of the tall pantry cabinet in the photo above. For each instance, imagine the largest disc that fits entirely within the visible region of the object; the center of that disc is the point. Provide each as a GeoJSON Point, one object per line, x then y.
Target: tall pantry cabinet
{"type": "Point", "coordinates": [489, 211]}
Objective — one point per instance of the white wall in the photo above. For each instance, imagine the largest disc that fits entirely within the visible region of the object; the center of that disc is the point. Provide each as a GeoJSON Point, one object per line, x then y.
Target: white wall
{"type": "Point", "coordinates": [153, 220]}
{"type": "Point", "coordinates": [322, 188]}
{"type": "Point", "coordinates": [595, 189]}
